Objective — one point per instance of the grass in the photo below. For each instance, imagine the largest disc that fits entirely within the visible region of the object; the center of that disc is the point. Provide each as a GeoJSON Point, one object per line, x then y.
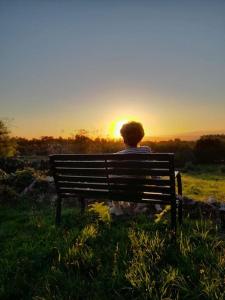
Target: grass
{"type": "Point", "coordinates": [204, 182]}
{"type": "Point", "coordinates": [94, 257]}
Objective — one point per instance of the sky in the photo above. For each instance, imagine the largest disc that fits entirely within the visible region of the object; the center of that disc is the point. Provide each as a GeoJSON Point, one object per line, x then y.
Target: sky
{"type": "Point", "coordinates": [70, 65]}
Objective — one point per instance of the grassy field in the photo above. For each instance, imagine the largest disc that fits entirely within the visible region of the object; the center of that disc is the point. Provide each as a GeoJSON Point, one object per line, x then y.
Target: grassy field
{"type": "Point", "coordinates": [205, 181]}
{"type": "Point", "coordinates": [94, 257]}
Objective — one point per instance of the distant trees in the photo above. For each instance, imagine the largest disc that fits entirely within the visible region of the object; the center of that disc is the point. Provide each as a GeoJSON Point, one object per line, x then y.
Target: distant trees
{"type": "Point", "coordinates": [183, 150]}
{"type": "Point", "coordinates": [80, 143]}
{"type": "Point", "coordinates": [7, 144]}
{"type": "Point", "coordinates": [210, 149]}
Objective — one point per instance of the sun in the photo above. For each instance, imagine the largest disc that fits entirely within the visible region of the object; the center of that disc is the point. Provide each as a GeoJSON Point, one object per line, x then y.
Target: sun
{"type": "Point", "coordinates": [115, 128]}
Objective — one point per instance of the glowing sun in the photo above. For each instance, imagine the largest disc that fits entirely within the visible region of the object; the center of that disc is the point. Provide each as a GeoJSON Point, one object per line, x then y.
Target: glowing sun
{"type": "Point", "coordinates": [115, 128]}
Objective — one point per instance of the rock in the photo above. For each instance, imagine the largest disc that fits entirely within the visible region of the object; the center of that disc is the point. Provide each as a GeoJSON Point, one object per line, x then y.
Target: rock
{"type": "Point", "coordinates": [29, 187]}
{"type": "Point", "coordinates": [49, 179]}
{"type": "Point", "coordinates": [222, 207]}
{"type": "Point", "coordinates": [188, 201]}
{"type": "Point", "coordinates": [158, 207]}
{"type": "Point", "coordinates": [211, 200]}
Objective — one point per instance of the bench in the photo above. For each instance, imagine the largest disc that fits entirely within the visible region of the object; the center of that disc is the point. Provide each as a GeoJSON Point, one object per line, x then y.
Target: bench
{"type": "Point", "coordinates": [141, 178]}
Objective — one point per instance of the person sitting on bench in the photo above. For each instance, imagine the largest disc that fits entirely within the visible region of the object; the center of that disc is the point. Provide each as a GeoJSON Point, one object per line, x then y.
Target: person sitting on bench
{"type": "Point", "coordinates": [132, 134]}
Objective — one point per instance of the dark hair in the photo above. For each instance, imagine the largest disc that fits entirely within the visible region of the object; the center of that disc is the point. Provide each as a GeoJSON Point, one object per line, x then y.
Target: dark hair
{"type": "Point", "coordinates": [132, 133]}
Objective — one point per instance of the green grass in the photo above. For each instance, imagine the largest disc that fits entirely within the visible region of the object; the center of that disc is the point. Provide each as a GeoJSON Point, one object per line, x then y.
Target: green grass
{"type": "Point", "coordinates": [93, 257]}
{"type": "Point", "coordinates": [204, 182]}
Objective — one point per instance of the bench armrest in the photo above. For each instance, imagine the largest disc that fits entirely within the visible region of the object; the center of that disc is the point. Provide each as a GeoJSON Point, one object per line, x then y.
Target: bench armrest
{"type": "Point", "coordinates": [179, 183]}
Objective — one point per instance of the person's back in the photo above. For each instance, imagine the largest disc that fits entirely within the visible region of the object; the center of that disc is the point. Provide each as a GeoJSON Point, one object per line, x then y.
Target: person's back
{"type": "Point", "coordinates": [135, 150]}
{"type": "Point", "coordinates": [132, 134]}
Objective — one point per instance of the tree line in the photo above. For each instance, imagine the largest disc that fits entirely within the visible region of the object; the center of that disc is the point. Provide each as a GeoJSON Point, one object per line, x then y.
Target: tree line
{"type": "Point", "coordinates": [207, 149]}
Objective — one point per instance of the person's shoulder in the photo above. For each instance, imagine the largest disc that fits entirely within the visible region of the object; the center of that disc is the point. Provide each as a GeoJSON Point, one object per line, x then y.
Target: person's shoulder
{"type": "Point", "coordinates": [136, 150]}
{"type": "Point", "coordinates": [145, 149]}
{"type": "Point", "coordinates": [121, 152]}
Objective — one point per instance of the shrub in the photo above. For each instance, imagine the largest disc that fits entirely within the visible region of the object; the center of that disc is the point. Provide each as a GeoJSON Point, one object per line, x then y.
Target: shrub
{"type": "Point", "coordinates": [11, 165]}
{"type": "Point", "coordinates": [210, 149]}
{"type": "Point", "coordinates": [21, 179]}
{"type": "Point", "coordinates": [42, 186]}
{"type": "Point", "coordinates": [190, 167]}
{"type": "Point", "coordinates": [3, 175]}
{"type": "Point", "coordinates": [8, 195]}
{"type": "Point", "coordinates": [222, 169]}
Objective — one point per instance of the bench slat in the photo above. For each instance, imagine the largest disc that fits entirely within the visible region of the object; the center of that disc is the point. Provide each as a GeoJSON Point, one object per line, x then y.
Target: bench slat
{"type": "Point", "coordinates": [138, 164]}
{"type": "Point", "coordinates": [81, 172]}
{"type": "Point", "coordinates": [115, 179]}
{"type": "Point", "coordinates": [87, 194]}
{"type": "Point", "coordinates": [139, 180]}
{"type": "Point", "coordinates": [141, 188]}
{"type": "Point", "coordinates": [102, 157]}
{"type": "Point", "coordinates": [140, 172]}
{"type": "Point", "coordinates": [84, 185]}
{"type": "Point", "coordinates": [114, 187]}
{"type": "Point", "coordinates": [114, 171]}
{"type": "Point", "coordinates": [97, 179]}
{"type": "Point", "coordinates": [80, 164]}
{"type": "Point", "coordinates": [136, 196]}
{"type": "Point", "coordinates": [116, 163]}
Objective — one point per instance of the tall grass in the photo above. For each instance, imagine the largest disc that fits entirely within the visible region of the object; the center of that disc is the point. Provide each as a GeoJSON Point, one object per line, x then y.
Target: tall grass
{"type": "Point", "coordinates": [94, 257]}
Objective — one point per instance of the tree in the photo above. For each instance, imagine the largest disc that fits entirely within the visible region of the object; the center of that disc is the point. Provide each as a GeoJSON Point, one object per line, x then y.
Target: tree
{"type": "Point", "coordinates": [7, 144]}
{"type": "Point", "coordinates": [209, 149]}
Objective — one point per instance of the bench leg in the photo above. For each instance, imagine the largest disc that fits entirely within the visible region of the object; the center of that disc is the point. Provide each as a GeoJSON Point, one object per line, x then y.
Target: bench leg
{"type": "Point", "coordinates": [173, 219]}
{"type": "Point", "coordinates": [180, 212]}
{"type": "Point", "coordinates": [82, 204]}
{"type": "Point", "coordinates": [58, 211]}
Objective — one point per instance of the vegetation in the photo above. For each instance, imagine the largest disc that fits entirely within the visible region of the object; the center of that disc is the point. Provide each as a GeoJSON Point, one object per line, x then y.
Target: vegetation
{"type": "Point", "coordinates": [7, 145]}
{"type": "Point", "coordinates": [93, 257]}
{"type": "Point", "coordinates": [208, 149]}
{"type": "Point", "coordinates": [202, 182]}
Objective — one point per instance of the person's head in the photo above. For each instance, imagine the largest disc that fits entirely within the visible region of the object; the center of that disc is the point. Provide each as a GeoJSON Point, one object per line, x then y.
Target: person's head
{"type": "Point", "coordinates": [132, 133]}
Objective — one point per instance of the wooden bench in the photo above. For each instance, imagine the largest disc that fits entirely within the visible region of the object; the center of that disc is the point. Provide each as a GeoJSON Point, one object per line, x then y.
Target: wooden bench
{"type": "Point", "coordinates": [141, 178]}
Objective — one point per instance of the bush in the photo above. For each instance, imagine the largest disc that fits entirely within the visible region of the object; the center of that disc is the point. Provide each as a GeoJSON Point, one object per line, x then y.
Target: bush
{"type": "Point", "coordinates": [42, 186]}
{"type": "Point", "coordinates": [3, 175]}
{"type": "Point", "coordinates": [190, 167]}
{"type": "Point", "coordinates": [210, 149]}
{"type": "Point", "coordinates": [8, 195]}
{"type": "Point", "coordinates": [11, 165]}
{"type": "Point", "coordinates": [21, 179]}
{"type": "Point", "coordinates": [222, 169]}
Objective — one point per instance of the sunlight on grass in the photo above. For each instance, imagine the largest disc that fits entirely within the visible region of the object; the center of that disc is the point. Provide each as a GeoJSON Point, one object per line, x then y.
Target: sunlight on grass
{"type": "Point", "coordinates": [201, 188]}
{"type": "Point", "coordinates": [130, 259]}
{"type": "Point", "coordinates": [102, 211]}
{"type": "Point", "coordinates": [89, 231]}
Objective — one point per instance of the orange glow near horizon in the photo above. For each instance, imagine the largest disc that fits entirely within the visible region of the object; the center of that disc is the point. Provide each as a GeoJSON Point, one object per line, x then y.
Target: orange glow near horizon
{"type": "Point", "coordinates": [115, 127]}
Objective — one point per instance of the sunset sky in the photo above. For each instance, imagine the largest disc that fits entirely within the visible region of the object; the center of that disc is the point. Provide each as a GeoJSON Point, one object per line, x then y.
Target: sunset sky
{"type": "Point", "coordinates": [67, 65]}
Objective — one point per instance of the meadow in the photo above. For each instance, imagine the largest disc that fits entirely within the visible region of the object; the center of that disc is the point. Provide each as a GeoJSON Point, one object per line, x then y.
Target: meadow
{"type": "Point", "coordinates": [94, 256]}
{"type": "Point", "coordinates": [201, 182]}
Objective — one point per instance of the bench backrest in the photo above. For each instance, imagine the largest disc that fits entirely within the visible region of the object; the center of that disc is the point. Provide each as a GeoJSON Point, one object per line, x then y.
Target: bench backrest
{"type": "Point", "coordinates": [123, 177]}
